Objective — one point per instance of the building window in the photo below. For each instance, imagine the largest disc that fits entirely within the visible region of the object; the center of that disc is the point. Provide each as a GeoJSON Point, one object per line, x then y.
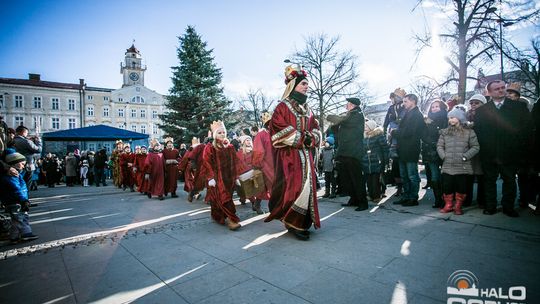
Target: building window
{"type": "Point", "coordinates": [137, 99]}
{"type": "Point", "coordinates": [121, 126]}
{"type": "Point", "coordinates": [38, 122]}
{"type": "Point", "coordinates": [19, 121]}
{"type": "Point", "coordinates": [133, 113]}
{"type": "Point", "coordinates": [37, 102]}
{"type": "Point", "coordinates": [120, 112]}
{"type": "Point", "coordinates": [120, 99]}
{"type": "Point", "coordinates": [91, 147]}
{"type": "Point", "coordinates": [90, 97]}
{"type": "Point", "coordinates": [154, 129]}
{"type": "Point", "coordinates": [71, 123]}
{"type": "Point", "coordinates": [105, 98]}
{"type": "Point", "coordinates": [55, 103]}
{"type": "Point", "coordinates": [71, 104]}
{"type": "Point", "coordinates": [143, 129]}
{"type": "Point", "coordinates": [18, 101]}
{"type": "Point", "coordinates": [90, 110]}
{"type": "Point", "coordinates": [55, 123]}
{"type": "Point", "coordinates": [134, 128]}
{"type": "Point", "coordinates": [143, 113]}
{"type": "Point", "coordinates": [154, 114]}
{"type": "Point", "coordinates": [105, 112]}
{"type": "Point", "coordinates": [107, 147]}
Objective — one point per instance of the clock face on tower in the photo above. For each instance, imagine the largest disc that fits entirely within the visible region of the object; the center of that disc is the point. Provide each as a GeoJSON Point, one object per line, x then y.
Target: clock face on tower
{"type": "Point", "coordinates": [133, 76]}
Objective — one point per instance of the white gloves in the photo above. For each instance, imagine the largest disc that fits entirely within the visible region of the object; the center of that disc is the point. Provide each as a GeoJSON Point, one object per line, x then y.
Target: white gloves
{"type": "Point", "coordinates": [238, 182]}
{"type": "Point", "coordinates": [147, 176]}
{"type": "Point", "coordinates": [212, 183]}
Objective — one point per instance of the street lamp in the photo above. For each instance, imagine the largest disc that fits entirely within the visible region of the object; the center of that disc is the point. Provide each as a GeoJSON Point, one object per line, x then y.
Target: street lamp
{"type": "Point", "coordinates": [502, 23]}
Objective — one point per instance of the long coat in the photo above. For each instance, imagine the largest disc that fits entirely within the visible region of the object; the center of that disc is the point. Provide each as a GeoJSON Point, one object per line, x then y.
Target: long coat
{"type": "Point", "coordinates": [71, 166]}
{"type": "Point", "coordinates": [172, 157]}
{"type": "Point", "coordinates": [502, 133]}
{"type": "Point", "coordinates": [351, 135]}
{"type": "Point", "coordinates": [375, 152]}
{"type": "Point", "coordinates": [408, 135]}
{"type": "Point", "coordinates": [263, 158]}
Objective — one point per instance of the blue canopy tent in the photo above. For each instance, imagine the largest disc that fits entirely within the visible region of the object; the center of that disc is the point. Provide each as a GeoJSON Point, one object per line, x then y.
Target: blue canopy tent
{"type": "Point", "coordinates": [90, 138]}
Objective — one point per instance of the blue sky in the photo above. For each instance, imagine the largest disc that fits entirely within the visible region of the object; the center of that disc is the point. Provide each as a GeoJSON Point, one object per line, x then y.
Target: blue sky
{"type": "Point", "coordinates": [67, 40]}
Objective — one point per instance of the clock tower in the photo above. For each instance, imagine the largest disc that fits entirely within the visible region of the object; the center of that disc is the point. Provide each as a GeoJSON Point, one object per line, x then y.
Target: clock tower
{"type": "Point", "coordinates": [132, 68]}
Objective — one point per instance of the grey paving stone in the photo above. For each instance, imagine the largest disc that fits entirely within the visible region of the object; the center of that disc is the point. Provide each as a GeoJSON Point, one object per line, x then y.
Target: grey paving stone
{"type": "Point", "coordinates": [335, 286]}
{"type": "Point", "coordinates": [272, 267]}
{"type": "Point", "coordinates": [78, 255]}
{"type": "Point", "coordinates": [209, 284]}
{"type": "Point", "coordinates": [229, 249]}
{"type": "Point", "coordinates": [419, 278]}
{"type": "Point", "coordinates": [253, 291]}
{"type": "Point", "coordinates": [420, 299]}
{"type": "Point", "coordinates": [116, 281]}
{"type": "Point", "coordinates": [162, 295]}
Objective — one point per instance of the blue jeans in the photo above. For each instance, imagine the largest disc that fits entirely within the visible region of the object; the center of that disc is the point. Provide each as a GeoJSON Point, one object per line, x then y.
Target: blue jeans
{"type": "Point", "coordinates": [19, 222]}
{"type": "Point", "coordinates": [435, 171]}
{"type": "Point", "coordinates": [411, 180]}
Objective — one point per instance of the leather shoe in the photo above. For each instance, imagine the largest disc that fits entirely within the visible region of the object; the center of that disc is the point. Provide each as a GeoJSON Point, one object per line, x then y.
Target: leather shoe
{"type": "Point", "coordinates": [511, 213]}
{"type": "Point", "coordinates": [299, 234]}
{"type": "Point", "coordinates": [361, 208]}
{"type": "Point", "coordinates": [410, 203]}
{"type": "Point", "coordinates": [489, 211]}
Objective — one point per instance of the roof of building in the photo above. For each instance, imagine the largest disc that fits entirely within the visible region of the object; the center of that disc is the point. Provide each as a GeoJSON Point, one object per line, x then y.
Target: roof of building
{"type": "Point", "coordinates": [40, 83]}
{"type": "Point", "coordinates": [132, 49]}
{"type": "Point", "coordinates": [98, 132]}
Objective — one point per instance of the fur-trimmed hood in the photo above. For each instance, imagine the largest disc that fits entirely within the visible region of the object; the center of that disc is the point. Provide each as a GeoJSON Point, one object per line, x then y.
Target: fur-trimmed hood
{"type": "Point", "coordinates": [373, 133]}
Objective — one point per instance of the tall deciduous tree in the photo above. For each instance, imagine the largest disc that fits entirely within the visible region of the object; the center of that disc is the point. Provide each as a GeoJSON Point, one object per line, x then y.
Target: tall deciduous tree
{"type": "Point", "coordinates": [332, 71]}
{"type": "Point", "coordinates": [257, 102]}
{"type": "Point", "coordinates": [467, 38]}
{"type": "Point", "coordinates": [196, 97]}
{"type": "Point", "coordinates": [527, 62]}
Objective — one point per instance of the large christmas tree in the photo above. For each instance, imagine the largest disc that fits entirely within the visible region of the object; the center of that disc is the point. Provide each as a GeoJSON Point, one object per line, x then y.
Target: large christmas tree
{"type": "Point", "coordinates": [196, 96]}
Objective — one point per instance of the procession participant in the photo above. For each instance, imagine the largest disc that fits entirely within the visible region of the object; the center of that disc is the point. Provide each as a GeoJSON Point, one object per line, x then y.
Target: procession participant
{"type": "Point", "coordinates": [263, 157]}
{"type": "Point", "coordinates": [126, 168]}
{"type": "Point", "coordinates": [171, 156]}
{"type": "Point", "coordinates": [154, 167]}
{"type": "Point", "coordinates": [191, 165]}
{"type": "Point", "coordinates": [220, 166]}
{"type": "Point", "coordinates": [245, 155]}
{"type": "Point", "coordinates": [294, 132]}
{"type": "Point", "coordinates": [139, 170]}
{"type": "Point", "coordinates": [115, 159]}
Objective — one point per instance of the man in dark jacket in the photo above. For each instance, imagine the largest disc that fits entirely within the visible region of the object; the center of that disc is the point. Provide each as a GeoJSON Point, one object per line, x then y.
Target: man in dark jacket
{"type": "Point", "coordinates": [350, 150]}
{"type": "Point", "coordinates": [502, 127]}
{"type": "Point", "coordinates": [408, 136]}
{"type": "Point", "coordinates": [100, 162]}
{"type": "Point", "coordinates": [29, 147]}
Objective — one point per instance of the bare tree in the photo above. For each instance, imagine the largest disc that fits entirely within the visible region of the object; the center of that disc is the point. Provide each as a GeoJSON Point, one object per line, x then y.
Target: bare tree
{"type": "Point", "coordinates": [527, 62]}
{"type": "Point", "coordinates": [332, 72]}
{"type": "Point", "coordinates": [257, 102]}
{"type": "Point", "coordinates": [426, 89]}
{"type": "Point", "coordinates": [467, 38]}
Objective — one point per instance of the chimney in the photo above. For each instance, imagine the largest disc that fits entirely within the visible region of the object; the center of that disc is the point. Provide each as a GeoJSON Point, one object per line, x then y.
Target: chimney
{"type": "Point", "coordinates": [34, 77]}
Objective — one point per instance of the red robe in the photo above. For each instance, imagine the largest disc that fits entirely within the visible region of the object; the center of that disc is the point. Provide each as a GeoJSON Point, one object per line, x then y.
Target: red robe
{"type": "Point", "coordinates": [263, 159]}
{"type": "Point", "coordinates": [294, 194]}
{"type": "Point", "coordinates": [154, 165]}
{"type": "Point", "coordinates": [222, 166]}
{"type": "Point", "coordinates": [142, 184]}
{"type": "Point", "coordinates": [191, 165]}
{"type": "Point", "coordinates": [244, 166]}
{"type": "Point", "coordinates": [126, 169]}
{"type": "Point", "coordinates": [171, 158]}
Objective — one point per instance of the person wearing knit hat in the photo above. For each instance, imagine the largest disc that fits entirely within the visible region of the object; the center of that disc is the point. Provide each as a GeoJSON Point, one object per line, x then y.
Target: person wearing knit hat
{"type": "Point", "coordinates": [456, 147]}
{"type": "Point", "coordinates": [14, 196]}
{"type": "Point", "coordinates": [459, 114]}
{"type": "Point", "coordinates": [370, 125]}
{"type": "Point", "coordinates": [294, 139]}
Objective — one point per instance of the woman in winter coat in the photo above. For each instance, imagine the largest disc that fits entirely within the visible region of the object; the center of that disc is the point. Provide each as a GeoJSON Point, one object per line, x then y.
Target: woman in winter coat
{"type": "Point", "coordinates": [457, 145]}
{"type": "Point", "coordinates": [375, 158]}
{"type": "Point", "coordinates": [436, 120]}
{"type": "Point", "coordinates": [71, 169]}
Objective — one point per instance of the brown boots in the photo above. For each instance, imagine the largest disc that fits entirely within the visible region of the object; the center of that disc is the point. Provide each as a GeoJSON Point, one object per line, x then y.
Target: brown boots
{"type": "Point", "coordinates": [449, 202]}
{"type": "Point", "coordinates": [232, 225]}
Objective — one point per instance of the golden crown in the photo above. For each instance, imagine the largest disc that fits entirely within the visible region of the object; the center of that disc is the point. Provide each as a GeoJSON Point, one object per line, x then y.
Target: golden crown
{"type": "Point", "coordinates": [195, 141]}
{"type": "Point", "coordinates": [292, 71]}
{"type": "Point", "coordinates": [169, 139]}
{"type": "Point", "coordinates": [216, 125]}
{"type": "Point", "coordinates": [266, 116]}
